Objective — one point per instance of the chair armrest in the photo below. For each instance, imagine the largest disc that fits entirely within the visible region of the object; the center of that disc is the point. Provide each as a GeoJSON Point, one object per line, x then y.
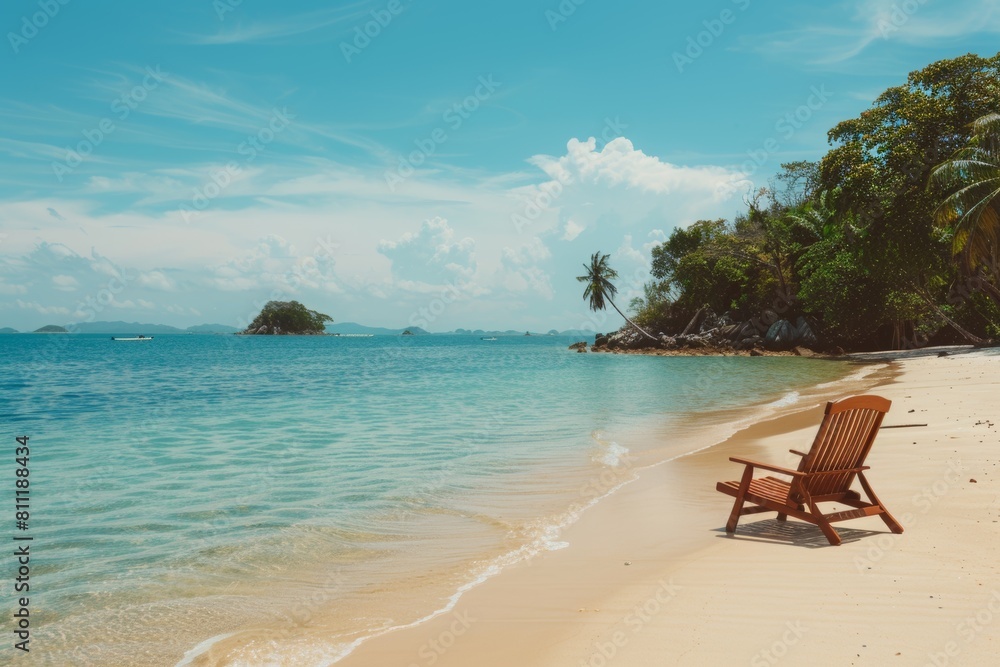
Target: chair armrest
{"type": "Point", "coordinates": [797, 452]}
{"type": "Point", "coordinates": [838, 472]}
{"type": "Point", "coordinates": [766, 466]}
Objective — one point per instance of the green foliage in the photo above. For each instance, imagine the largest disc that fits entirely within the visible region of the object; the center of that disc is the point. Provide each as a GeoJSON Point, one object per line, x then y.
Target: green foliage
{"type": "Point", "coordinates": [694, 268]}
{"type": "Point", "coordinates": [289, 317]}
{"type": "Point", "coordinates": [796, 184]}
{"type": "Point", "coordinates": [971, 213]}
{"type": "Point", "coordinates": [841, 288]}
{"type": "Point", "coordinates": [874, 240]}
{"type": "Point", "coordinates": [883, 161]}
{"type": "Point", "coordinates": [655, 311]}
{"type": "Point", "coordinates": [739, 267]}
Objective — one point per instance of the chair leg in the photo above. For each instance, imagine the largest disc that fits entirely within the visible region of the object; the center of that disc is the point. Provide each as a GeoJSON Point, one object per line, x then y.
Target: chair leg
{"type": "Point", "coordinates": [889, 520]}
{"type": "Point", "coordinates": [782, 516]}
{"type": "Point", "coordinates": [894, 525]}
{"type": "Point", "coordinates": [827, 528]}
{"type": "Point", "coordinates": [824, 525]}
{"type": "Point", "coordinates": [734, 516]}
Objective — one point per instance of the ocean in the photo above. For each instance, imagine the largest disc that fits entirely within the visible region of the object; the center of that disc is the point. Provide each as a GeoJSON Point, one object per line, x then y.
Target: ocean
{"type": "Point", "coordinates": [293, 496]}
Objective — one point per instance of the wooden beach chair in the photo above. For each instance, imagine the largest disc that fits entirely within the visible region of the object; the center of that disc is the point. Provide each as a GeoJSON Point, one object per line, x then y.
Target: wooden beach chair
{"type": "Point", "coordinates": [825, 474]}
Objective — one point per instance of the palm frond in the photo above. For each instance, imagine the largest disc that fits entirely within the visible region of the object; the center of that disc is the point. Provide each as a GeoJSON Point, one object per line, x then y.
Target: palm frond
{"type": "Point", "coordinates": [970, 211]}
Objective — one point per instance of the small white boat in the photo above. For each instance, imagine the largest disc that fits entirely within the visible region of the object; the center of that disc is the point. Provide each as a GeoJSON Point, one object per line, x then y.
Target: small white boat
{"type": "Point", "coordinates": [491, 338]}
{"type": "Point", "coordinates": [131, 338]}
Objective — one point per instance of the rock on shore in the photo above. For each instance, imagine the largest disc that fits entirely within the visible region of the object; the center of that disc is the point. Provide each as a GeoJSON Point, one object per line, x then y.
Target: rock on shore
{"type": "Point", "coordinates": [720, 335]}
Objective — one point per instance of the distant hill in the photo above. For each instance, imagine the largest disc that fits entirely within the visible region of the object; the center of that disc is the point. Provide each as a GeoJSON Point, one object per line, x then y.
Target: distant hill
{"type": "Point", "coordinates": [483, 332]}
{"type": "Point", "coordinates": [212, 328]}
{"type": "Point", "coordinates": [8, 330]}
{"type": "Point", "coordinates": [519, 332]}
{"type": "Point", "coordinates": [355, 328]}
{"type": "Point", "coordinates": [125, 328]}
{"type": "Point", "coordinates": [51, 328]}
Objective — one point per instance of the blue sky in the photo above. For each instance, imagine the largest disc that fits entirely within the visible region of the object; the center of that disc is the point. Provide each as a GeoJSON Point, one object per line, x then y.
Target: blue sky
{"type": "Point", "coordinates": [398, 162]}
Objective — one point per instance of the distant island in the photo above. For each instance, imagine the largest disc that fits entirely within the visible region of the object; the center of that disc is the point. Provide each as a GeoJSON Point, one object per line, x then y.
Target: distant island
{"type": "Point", "coordinates": [353, 328]}
{"type": "Point", "coordinates": [119, 327]}
{"type": "Point", "coordinates": [51, 328]}
{"type": "Point", "coordinates": [287, 318]}
{"type": "Point", "coordinates": [514, 332]}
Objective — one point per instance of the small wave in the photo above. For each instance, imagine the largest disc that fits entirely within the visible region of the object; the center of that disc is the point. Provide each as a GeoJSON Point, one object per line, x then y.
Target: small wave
{"type": "Point", "coordinates": [201, 648]}
{"type": "Point", "coordinates": [791, 398]}
{"type": "Point", "coordinates": [550, 539]}
{"type": "Point", "coordinates": [612, 454]}
{"type": "Point", "coordinates": [856, 376]}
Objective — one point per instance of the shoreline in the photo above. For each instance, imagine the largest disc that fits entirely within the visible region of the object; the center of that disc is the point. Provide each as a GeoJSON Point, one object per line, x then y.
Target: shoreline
{"type": "Point", "coordinates": [658, 544]}
{"type": "Point", "coordinates": [720, 352]}
{"type": "Point", "coordinates": [387, 647]}
{"type": "Point", "coordinates": [592, 489]}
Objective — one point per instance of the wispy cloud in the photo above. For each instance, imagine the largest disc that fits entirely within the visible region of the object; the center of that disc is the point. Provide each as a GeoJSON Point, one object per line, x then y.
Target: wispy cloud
{"type": "Point", "coordinates": [30, 150]}
{"type": "Point", "coordinates": [277, 31]}
{"type": "Point", "coordinates": [836, 41]}
{"type": "Point", "coordinates": [201, 104]}
{"type": "Point", "coordinates": [207, 121]}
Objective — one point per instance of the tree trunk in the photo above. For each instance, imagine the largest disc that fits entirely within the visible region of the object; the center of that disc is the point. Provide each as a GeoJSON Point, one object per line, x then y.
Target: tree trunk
{"type": "Point", "coordinates": [990, 290]}
{"type": "Point", "coordinates": [964, 333]}
{"type": "Point", "coordinates": [634, 325]}
{"type": "Point", "coordinates": [694, 321]}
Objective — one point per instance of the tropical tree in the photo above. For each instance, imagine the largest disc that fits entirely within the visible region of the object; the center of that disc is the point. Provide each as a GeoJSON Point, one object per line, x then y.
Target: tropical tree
{"type": "Point", "coordinates": [600, 288]}
{"type": "Point", "coordinates": [972, 211]}
{"type": "Point", "coordinates": [288, 317]}
{"type": "Point", "coordinates": [691, 268]}
{"type": "Point", "coordinates": [879, 169]}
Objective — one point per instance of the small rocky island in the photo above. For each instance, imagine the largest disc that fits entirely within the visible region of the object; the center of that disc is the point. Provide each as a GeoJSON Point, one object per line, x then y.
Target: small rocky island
{"type": "Point", "coordinates": [287, 318]}
{"type": "Point", "coordinates": [52, 328]}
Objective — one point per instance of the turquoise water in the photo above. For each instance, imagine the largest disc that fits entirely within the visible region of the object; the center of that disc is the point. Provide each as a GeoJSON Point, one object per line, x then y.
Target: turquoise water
{"type": "Point", "coordinates": [192, 486]}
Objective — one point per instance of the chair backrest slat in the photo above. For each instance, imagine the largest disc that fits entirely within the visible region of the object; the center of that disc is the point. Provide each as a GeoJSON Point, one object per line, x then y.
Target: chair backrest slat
{"type": "Point", "coordinates": [843, 441]}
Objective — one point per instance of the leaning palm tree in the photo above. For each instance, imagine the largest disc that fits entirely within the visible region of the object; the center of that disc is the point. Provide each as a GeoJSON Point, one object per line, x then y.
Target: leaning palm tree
{"type": "Point", "coordinates": [600, 288]}
{"type": "Point", "coordinates": [972, 210]}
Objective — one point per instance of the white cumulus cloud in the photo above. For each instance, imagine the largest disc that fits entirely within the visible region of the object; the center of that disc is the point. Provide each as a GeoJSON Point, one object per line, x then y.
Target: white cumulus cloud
{"type": "Point", "coordinates": [431, 255]}
{"type": "Point", "coordinates": [571, 230]}
{"type": "Point", "coordinates": [619, 163]}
